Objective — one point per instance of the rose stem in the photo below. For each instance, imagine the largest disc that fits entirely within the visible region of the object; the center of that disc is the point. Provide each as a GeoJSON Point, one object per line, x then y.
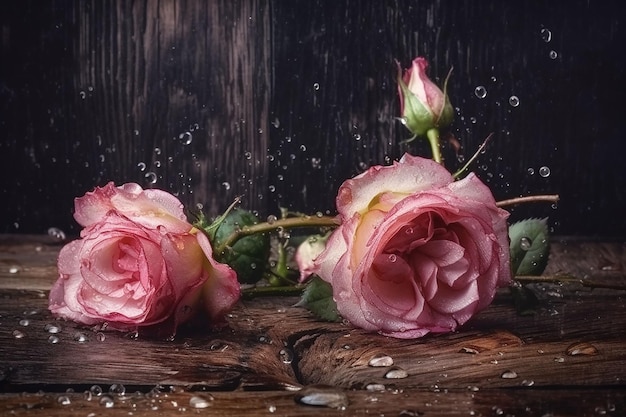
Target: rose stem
{"type": "Point", "coordinates": [589, 283]}
{"type": "Point", "coordinates": [551, 198]}
{"type": "Point", "coordinates": [288, 223]}
{"type": "Point", "coordinates": [433, 139]}
{"type": "Point", "coordinates": [473, 158]}
{"type": "Point", "coordinates": [269, 291]}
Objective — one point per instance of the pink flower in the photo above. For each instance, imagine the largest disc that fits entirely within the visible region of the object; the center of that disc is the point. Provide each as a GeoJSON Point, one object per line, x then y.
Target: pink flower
{"type": "Point", "coordinates": [422, 104]}
{"type": "Point", "coordinates": [139, 263]}
{"type": "Point", "coordinates": [416, 252]}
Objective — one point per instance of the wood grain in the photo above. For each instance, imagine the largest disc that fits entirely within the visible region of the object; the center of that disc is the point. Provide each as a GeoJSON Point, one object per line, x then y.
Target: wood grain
{"type": "Point", "coordinates": [569, 358]}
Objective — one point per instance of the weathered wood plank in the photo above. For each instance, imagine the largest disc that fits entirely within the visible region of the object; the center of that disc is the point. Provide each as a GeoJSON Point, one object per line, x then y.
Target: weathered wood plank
{"type": "Point", "coordinates": [520, 402]}
{"type": "Point", "coordinates": [270, 345]}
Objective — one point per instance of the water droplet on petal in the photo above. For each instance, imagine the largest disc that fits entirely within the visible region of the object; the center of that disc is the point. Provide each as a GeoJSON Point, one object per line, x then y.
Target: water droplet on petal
{"type": "Point", "coordinates": [480, 91]}
{"type": "Point", "coordinates": [53, 339]}
{"type": "Point", "coordinates": [271, 408]}
{"type": "Point", "coordinates": [582, 348]}
{"type": "Point", "coordinates": [321, 396]}
{"type": "Point", "coordinates": [24, 322]}
{"type": "Point", "coordinates": [381, 360]}
{"type": "Point", "coordinates": [96, 390]}
{"type": "Point", "coordinates": [528, 383]}
{"type": "Point", "coordinates": [52, 328]}
{"type": "Point", "coordinates": [201, 401]}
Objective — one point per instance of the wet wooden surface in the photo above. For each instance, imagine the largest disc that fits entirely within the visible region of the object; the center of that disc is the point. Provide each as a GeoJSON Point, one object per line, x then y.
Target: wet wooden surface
{"type": "Point", "coordinates": [567, 359]}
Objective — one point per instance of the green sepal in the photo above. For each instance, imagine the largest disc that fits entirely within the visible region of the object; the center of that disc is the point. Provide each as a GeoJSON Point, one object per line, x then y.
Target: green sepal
{"type": "Point", "coordinates": [318, 298]}
{"type": "Point", "coordinates": [417, 118]}
{"type": "Point", "coordinates": [529, 246]}
{"type": "Point", "coordinates": [248, 256]}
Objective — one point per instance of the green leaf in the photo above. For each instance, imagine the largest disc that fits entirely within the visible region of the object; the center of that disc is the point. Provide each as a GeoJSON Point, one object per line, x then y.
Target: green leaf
{"type": "Point", "coordinates": [248, 256]}
{"type": "Point", "coordinates": [318, 298]}
{"type": "Point", "coordinates": [529, 246]}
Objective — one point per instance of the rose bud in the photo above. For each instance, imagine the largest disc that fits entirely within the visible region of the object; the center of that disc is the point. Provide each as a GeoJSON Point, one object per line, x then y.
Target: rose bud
{"type": "Point", "coordinates": [306, 253]}
{"type": "Point", "coordinates": [422, 104]}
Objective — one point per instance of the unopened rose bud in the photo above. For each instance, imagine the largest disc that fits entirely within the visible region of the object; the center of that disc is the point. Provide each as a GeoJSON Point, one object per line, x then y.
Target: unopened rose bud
{"type": "Point", "coordinates": [423, 105]}
{"type": "Point", "coordinates": [307, 252]}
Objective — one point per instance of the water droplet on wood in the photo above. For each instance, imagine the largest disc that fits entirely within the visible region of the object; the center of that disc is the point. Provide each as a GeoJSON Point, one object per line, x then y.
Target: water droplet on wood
{"type": "Point", "coordinates": [396, 373]}
{"type": "Point", "coordinates": [508, 375]}
{"type": "Point", "coordinates": [321, 396]}
{"type": "Point", "coordinates": [381, 360]}
{"type": "Point", "coordinates": [201, 401]}
{"type": "Point", "coordinates": [582, 348]}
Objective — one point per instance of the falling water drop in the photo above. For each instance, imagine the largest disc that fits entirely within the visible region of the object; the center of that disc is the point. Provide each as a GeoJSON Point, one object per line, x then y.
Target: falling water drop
{"type": "Point", "coordinates": [553, 54]}
{"type": "Point", "coordinates": [514, 101]}
{"type": "Point", "coordinates": [56, 233]}
{"type": "Point", "coordinates": [544, 171]}
{"type": "Point", "coordinates": [316, 86]}
{"type": "Point", "coordinates": [480, 91]}
{"type": "Point", "coordinates": [546, 35]}
{"type": "Point", "coordinates": [151, 177]}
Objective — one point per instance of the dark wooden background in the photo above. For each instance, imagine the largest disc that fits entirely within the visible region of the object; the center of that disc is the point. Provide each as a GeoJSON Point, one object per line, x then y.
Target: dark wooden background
{"type": "Point", "coordinates": [280, 101]}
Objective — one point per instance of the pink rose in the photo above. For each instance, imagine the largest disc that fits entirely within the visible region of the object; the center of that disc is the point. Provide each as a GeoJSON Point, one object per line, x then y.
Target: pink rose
{"type": "Point", "coordinates": [422, 104]}
{"type": "Point", "coordinates": [139, 263]}
{"type": "Point", "coordinates": [416, 252]}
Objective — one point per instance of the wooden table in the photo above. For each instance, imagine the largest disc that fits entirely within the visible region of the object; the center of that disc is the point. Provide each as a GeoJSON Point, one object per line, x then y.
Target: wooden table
{"type": "Point", "coordinates": [567, 359]}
